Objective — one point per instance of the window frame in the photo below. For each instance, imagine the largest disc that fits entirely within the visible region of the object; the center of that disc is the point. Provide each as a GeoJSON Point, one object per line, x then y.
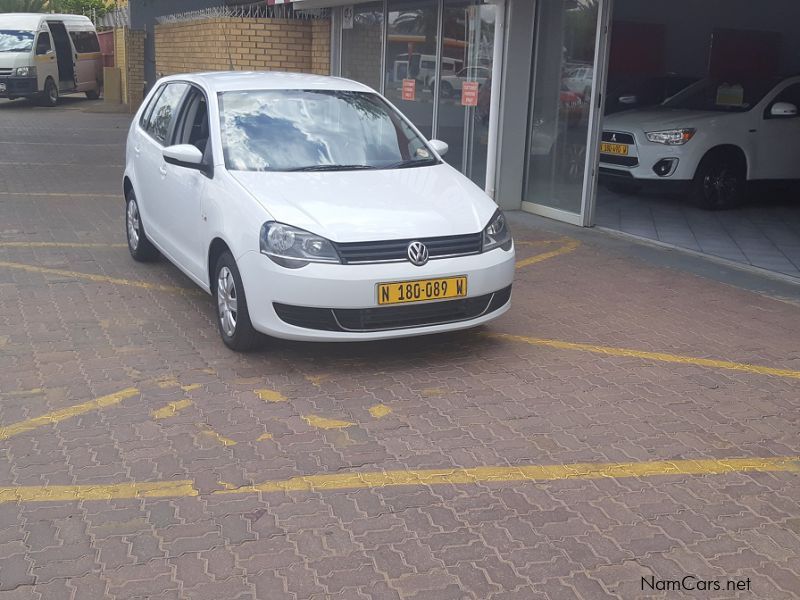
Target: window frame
{"type": "Point", "coordinates": [49, 43]}
{"type": "Point", "coordinates": [173, 119]}
{"type": "Point", "coordinates": [180, 123]}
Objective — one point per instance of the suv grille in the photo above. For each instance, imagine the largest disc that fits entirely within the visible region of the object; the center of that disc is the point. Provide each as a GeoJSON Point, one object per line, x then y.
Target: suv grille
{"type": "Point", "coordinates": [392, 317]}
{"type": "Point", "coordinates": [396, 250]}
{"type": "Point", "coordinates": [6, 72]}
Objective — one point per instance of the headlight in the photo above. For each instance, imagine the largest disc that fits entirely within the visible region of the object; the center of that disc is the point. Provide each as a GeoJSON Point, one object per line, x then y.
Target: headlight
{"type": "Point", "coordinates": [292, 247]}
{"type": "Point", "coordinates": [25, 71]}
{"type": "Point", "coordinates": [496, 233]}
{"type": "Point", "coordinates": [671, 137]}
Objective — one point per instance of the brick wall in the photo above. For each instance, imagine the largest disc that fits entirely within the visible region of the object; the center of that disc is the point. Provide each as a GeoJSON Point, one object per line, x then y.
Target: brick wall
{"type": "Point", "coordinates": [243, 44]}
{"type": "Point", "coordinates": [129, 58]}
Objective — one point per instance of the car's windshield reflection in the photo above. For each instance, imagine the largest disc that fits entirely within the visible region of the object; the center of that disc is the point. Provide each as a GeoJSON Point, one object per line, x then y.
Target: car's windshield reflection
{"type": "Point", "coordinates": [297, 130]}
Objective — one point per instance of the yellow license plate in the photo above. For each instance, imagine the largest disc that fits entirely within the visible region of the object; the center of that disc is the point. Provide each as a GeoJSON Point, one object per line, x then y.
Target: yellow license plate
{"type": "Point", "coordinates": [618, 149]}
{"type": "Point", "coordinates": [402, 292]}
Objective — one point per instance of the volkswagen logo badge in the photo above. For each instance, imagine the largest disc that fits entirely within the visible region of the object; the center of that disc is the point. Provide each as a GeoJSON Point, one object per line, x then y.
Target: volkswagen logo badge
{"type": "Point", "coordinates": [417, 253]}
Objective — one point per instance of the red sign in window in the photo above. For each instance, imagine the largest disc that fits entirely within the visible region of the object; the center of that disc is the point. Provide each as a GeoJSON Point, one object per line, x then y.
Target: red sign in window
{"type": "Point", "coordinates": [469, 93]}
{"type": "Point", "coordinates": [409, 89]}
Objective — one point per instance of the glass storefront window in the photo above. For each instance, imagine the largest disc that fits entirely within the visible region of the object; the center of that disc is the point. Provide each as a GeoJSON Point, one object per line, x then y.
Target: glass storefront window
{"type": "Point", "coordinates": [411, 55]}
{"type": "Point", "coordinates": [465, 84]}
{"type": "Point", "coordinates": [362, 45]}
{"type": "Point", "coordinates": [415, 55]}
{"type": "Point", "coordinates": [564, 64]}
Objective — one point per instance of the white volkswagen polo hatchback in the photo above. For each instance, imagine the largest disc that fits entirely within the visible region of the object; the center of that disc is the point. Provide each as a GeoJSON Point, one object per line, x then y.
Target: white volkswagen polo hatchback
{"type": "Point", "coordinates": [311, 209]}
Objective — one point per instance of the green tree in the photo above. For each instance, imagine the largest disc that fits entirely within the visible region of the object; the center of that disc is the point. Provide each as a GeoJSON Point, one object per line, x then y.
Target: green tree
{"type": "Point", "coordinates": [77, 7]}
{"type": "Point", "coordinates": [23, 6]}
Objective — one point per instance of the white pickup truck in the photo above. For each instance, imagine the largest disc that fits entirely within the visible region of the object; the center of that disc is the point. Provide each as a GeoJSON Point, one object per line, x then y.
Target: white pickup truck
{"type": "Point", "coordinates": [710, 139]}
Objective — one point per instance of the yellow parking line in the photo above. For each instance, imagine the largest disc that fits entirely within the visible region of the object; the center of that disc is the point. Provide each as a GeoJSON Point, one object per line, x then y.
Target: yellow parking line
{"type": "Point", "coordinates": [654, 356]}
{"type": "Point", "coordinates": [66, 413]}
{"type": "Point", "coordinates": [60, 245]}
{"type": "Point", "coordinates": [217, 437]}
{"type": "Point", "coordinates": [379, 411]}
{"type": "Point", "coordinates": [385, 479]}
{"type": "Point", "coordinates": [99, 278]}
{"type": "Point", "coordinates": [325, 423]}
{"type": "Point", "coordinates": [522, 473]}
{"type": "Point", "coordinates": [270, 395]}
{"type": "Point", "coordinates": [117, 491]}
{"type": "Point", "coordinates": [569, 246]}
{"type": "Point", "coordinates": [171, 409]}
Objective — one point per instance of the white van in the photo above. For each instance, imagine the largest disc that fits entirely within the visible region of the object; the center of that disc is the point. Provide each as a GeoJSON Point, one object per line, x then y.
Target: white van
{"type": "Point", "coordinates": [45, 55]}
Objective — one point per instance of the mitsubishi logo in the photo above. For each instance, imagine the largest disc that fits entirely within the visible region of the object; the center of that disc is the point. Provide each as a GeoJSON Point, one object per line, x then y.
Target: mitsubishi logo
{"type": "Point", "coordinates": [613, 137]}
{"type": "Point", "coordinates": [417, 253]}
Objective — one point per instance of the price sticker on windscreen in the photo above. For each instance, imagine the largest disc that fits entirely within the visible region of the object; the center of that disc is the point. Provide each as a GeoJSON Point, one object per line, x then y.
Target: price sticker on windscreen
{"type": "Point", "coordinates": [409, 89]}
{"type": "Point", "coordinates": [469, 93]}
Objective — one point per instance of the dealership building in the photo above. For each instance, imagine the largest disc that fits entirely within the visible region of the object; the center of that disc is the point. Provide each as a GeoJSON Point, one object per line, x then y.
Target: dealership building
{"type": "Point", "coordinates": [520, 91]}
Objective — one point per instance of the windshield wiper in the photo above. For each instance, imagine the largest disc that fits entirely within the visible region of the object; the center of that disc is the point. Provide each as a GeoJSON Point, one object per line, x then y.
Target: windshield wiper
{"type": "Point", "coordinates": [413, 162]}
{"type": "Point", "coordinates": [333, 168]}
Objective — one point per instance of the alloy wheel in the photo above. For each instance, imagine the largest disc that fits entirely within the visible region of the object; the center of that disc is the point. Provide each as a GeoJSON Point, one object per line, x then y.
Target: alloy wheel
{"type": "Point", "coordinates": [133, 224]}
{"type": "Point", "coordinates": [227, 302]}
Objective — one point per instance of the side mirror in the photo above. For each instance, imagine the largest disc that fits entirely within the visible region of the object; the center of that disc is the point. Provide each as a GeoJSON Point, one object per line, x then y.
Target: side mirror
{"type": "Point", "coordinates": [184, 155]}
{"type": "Point", "coordinates": [783, 110]}
{"type": "Point", "coordinates": [439, 146]}
{"type": "Point", "coordinates": [629, 100]}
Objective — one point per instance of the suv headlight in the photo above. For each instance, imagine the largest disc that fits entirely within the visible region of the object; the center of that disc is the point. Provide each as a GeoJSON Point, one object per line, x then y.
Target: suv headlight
{"type": "Point", "coordinates": [292, 247]}
{"type": "Point", "coordinates": [671, 137]}
{"type": "Point", "coordinates": [497, 233]}
{"type": "Point", "coordinates": [25, 71]}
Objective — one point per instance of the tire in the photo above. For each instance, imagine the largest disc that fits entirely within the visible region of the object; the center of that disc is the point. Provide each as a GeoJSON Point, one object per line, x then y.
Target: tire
{"type": "Point", "coordinates": [233, 318]}
{"type": "Point", "coordinates": [138, 245]}
{"type": "Point", "coordinates": [95, 94]}
{"type": "Point", "coordinates": [719, 182]}
{"type": "Point", "coordinates": [50, 95]}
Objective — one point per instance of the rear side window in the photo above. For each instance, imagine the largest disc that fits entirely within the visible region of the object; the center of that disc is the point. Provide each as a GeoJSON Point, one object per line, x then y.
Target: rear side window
{"type": "Point", "coordinates": [85, 41]}
{"type": "Point", "coordinates": [160, 119]}
{"type": "Point", "coordinates": [43, 43]}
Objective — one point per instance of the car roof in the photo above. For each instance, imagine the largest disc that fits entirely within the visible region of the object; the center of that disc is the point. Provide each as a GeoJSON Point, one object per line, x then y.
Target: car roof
{"type": "Point", "coordinates": [227, 81]}
{"type": "Point", "coordinates": [32, 20]}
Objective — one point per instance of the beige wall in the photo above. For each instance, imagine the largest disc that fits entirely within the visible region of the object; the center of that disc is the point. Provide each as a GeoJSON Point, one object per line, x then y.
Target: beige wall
{"type": "Point", "coordinates": [243, 44]}
{"type": "Point", "coordinates": [129, 58]}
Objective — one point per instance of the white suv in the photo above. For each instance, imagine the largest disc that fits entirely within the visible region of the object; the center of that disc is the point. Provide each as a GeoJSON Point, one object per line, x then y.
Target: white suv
{"type": "Point", "coordinates": [711, 139]}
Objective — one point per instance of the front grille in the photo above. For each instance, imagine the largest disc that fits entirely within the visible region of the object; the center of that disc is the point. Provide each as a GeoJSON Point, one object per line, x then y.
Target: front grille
{"type": "Point", "coordinates": [623, 161]}
{"type": "Point", "coordinates": [396, 250]}
{"type": "Point", "coordinates": [5, 72]}
{"type": "Point", "coordinates": [392, 317]}
{"type": "Point", "coordinates": [615, 137]}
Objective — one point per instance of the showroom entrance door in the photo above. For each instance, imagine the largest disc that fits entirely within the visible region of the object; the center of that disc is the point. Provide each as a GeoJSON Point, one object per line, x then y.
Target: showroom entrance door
{"type": "Point", "coordinates": [569, 65]}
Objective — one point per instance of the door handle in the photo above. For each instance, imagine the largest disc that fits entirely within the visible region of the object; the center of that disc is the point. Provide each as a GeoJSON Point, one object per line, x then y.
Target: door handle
{"type": "Point", "coordinates": [163, 170]}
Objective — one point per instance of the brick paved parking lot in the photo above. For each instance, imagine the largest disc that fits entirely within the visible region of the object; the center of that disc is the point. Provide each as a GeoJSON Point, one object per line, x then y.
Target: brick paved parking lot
{"type": "Point", "coordinates": [622, 427]}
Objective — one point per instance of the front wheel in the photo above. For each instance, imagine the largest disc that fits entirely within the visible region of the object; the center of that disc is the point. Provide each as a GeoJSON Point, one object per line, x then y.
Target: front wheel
{"type": "Point", "coordinates": [719, 182]}
{"type": "Point", "coordinates": [139, 246]}
{"type": "Point", "coordinates": [50, 95]}
{"type": "Point", "coordinates": [96, 93]}
{"type": "Point", "coordinates": [233, 318]}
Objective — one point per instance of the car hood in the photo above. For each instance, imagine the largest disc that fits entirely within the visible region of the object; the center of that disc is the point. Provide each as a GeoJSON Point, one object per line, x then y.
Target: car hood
{"type": "Point", "coordinates": [352, 206]}
{"type": "Point", "coordinates": [12, 60]}
{"type": "Point", "coordinates": [661, 118]}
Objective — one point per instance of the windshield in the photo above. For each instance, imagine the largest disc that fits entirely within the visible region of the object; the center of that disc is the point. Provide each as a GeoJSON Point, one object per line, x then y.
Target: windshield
{"type": "Point", "coordinates": [13, 40]}
{"type": "Point", "coordinates": [721, 96]}
{"type": "Point", "coordinates": [294, 130]}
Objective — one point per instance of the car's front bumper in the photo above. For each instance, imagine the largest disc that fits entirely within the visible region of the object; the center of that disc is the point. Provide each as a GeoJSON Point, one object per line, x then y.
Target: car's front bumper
{"type": "Point", "coordinates": [641, 163]}
{"type": "Point", "coordinates": [348, 287]}
{"type": "Point", "coordinates": [18, 86]}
